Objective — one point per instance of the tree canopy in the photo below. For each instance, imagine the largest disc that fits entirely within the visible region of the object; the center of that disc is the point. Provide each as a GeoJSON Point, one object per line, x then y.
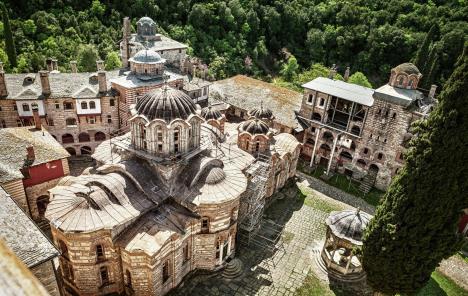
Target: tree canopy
{"type": "Point", "coordinates": [415, 226]}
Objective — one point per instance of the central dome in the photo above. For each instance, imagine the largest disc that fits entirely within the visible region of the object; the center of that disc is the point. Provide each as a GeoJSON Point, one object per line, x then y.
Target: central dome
{"type": "Point", "coordinates": [166, 103]}
{"type": "Point", "coordinates": [147, 56]}
{"type": "Point", "coordinates": [407, 68]}
{"type": "Point", "coordinates": [255, 127]}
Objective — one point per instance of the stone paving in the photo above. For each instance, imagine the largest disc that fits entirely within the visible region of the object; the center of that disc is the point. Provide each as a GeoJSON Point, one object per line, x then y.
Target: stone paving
{"type": "Point", "coordinates": [284, 271]}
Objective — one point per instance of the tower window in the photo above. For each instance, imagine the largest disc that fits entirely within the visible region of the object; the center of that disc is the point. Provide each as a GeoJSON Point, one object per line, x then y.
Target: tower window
{"type": "Point", "coordinates": [186, 253]}
{"type": "Point", "coordinates": [165, 271]}
{"type": "Point", "coordinates": [379, 156]}
{"type": "Point", "coordinates": [129, 278]}
{"type": "Point", "coordinates": [99, 253]}
{"type": "Point", "coordinates": [104, 275]}
{"type": "Point", "coordinates": [205, 225]}
{"type": "Point", "coordinates": [109, 119]}
{"type": "Point", "coordinates": [112, 102]}
{"type": "Point", "coordinates": [57, 105]}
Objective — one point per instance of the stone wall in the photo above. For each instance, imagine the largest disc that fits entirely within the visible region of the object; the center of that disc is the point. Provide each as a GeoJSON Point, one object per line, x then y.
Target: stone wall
{"type": "Point", "coordinates": [46, 274]}
{"type": "Point", "coordinates": [36, 191]}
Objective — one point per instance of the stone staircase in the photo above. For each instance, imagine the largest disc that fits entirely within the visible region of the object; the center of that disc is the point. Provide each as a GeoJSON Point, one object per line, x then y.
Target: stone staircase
{"type": "Point", "coordinates": [368, 182]}
{"type": "Point", "coordinates": [233, 269]}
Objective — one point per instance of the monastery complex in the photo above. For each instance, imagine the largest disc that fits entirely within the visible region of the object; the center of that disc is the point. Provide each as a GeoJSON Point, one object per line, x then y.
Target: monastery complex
{"type": "Point", "coordinates": [183, 168]}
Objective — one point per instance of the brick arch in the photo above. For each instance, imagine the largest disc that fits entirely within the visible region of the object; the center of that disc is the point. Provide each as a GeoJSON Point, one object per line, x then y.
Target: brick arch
{"type": "Point", "coordinates": [99, 136]}
{"type": "Point", "coordinates": [67, 138]}
{"type": "Point", "coordinates": [84, 137]}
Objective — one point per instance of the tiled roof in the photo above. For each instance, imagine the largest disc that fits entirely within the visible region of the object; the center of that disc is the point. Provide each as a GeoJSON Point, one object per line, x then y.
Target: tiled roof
{"type": "Point", "coordinates": [165, 43]}
{"type": "Point", "coordinates": [13, 144]}
{"type": "Point", "coordinates": [247, 93]}
{"type": "Point", "coordinates": [22, 235]}
{"type": "Point", "coordinates": [397, 95]}
{"type": "Point", "coordinates": [62, 85]}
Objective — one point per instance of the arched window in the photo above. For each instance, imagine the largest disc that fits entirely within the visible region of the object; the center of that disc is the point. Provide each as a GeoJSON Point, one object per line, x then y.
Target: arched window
{"type": "Point", "coordinates": [84, 105]}
{"type": "Point", "coordinates": [68, 105]}
{"type": "Point", "coordinates": [129, 278]}
{"type": "Point", "coordinates": [83, 137]}
{"type": "Point", "coordinates": [99, 136]}
{"type": "Point", "coordinates": [104, 273]}
{"type": "Point", "coordinates": [67, 138]}
{"type": "Point", "coordinates": [100, 253]}
{"type": "Point", "coordinates": [361, 163]}
{"type": "Point", "coordinates": [176, 139]}
{"type": "Point", "coordinates": [70, 121]}
{"type": "Point", "coordinates": [380, 156]}
{"type": "Point", "coordinates": [365, 150]}
{"type": "Point", "coordinates": [25, 107]}
{"type": "Point", "coordinates": [401, 79]}
{"type": "Point", "coordinates": [92, 105]}
{"type": "Point", "coordinates": [165, 271]}
{"type": "Point", "coordinates": [205, 224]}
{"type": "Point", "coordinates": [257, 146]}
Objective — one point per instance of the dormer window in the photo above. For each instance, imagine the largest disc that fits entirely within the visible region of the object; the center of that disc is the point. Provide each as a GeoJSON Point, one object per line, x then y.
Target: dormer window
{"type": "Point", "coordinates": [92, 105]}
{"type": "Point", "coordinates": [84, 105]}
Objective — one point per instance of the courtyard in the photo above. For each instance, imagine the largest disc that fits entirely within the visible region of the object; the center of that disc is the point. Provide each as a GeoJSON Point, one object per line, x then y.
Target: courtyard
{"type": "Point", "coordinates": [292, 268]}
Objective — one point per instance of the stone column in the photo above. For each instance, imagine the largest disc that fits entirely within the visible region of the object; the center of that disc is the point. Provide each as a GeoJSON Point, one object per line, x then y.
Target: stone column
{"type": "Point", "coordinates": [315, 146]}
{"type": "Point", "coordinates": [332, 153]}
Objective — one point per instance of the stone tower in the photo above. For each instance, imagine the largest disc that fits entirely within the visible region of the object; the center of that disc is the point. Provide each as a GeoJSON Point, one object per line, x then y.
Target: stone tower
{"type": "Point", "coordinates": [124, 46]}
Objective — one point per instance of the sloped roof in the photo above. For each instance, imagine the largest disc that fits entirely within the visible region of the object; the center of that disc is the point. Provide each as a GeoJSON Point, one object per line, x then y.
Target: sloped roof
{"type": "Point", "coordinates": [396, 95]}
{"type": "Point", "coordinates": [62, 85]}
{"type": "Point", "coordinates": [13, 146]}
{"type": "Point", "coordinates": [247, 93]}
{"type": "Point", "coordinates": [348, 91]}
{"type": "Point", "coordinates": [22, 235]}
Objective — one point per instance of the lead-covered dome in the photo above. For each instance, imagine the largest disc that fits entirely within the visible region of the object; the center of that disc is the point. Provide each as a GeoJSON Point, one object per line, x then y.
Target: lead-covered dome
{"type": "Point", "coordinates": [408, 68]}
{"type": "Point", "coordinates": [209, 113]}
{"type": "Point", "coordinates": [166, 103]}
{"type": "Point", "coordinates": [146, 20]}
{"type": "Point", "coordinates": [349, 224]}
{"type": "Point", "coordinates": [255, 127]}
{"type": "Point", "coordinates": [261, 113]}
{"type": "Point", "coordinates": [147, 56]}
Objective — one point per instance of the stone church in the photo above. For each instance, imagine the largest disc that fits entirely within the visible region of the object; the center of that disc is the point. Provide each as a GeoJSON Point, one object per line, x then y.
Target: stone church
{"type": "Point", "coordinates": [165, 199]}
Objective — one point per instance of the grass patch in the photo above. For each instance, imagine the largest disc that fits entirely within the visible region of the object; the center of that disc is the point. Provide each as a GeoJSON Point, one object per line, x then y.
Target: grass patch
{"type": "Point", "coordinates": [440, 285]}
{"type": "Point", "coordinates": [349, 186]}
{"type": "Point", "coordinates": [312, 200]}
{"type": "Point", "coordinates": [312, 286]}
{"type": "Point", "coordinates": [287, 237]}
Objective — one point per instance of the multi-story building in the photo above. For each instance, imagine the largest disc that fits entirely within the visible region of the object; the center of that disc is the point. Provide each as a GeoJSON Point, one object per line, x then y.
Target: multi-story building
{"type": "Point", "coordinates": [360, 131]}
{"type": "Point", "coordinates": [163, 200]}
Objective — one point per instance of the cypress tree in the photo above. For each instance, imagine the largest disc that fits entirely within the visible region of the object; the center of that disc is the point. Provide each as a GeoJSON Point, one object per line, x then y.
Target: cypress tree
{"type": "Point", "coordinates": [415, 226]}
{"type": "Point", "coordinates": [422, 54]}
{"type": "Point", "coordinates": [9, 43]}
{"type": "Point", "coordinates": [430, 63]}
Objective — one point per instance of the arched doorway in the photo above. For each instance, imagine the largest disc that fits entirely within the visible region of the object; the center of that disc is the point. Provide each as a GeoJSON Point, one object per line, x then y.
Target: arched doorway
{"type": "Point", "coordinates": [71, 150]}
{"type": "Point", "coordinates": [361, 163]}
{"type": "Point", "coordinates": [42, 202]}
{"type": "Point", "coordinates": [85, 150]}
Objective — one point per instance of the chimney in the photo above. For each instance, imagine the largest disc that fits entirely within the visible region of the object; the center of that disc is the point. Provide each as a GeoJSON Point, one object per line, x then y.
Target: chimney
{"type": "Point", "coordinates": [3, 86]}
{"type": "Point", "coordinates": [37, 119]}
{"type": "Point", "coordinates": [346, 74]}
{"type": "Point", "coordinates": [73, 67]}
{"type": "Point", "coordinates": [45, 82]}
{"type": "Point", "coordinates": [49, 65]}
{"type": "Point", "coordinates": [100, 65]}
{"type": "Point", "coordinates": [30, 156]}
{"type": "Point", "coordinates": [432, 91]}
{"type": "Point", "coordinates": [54, 65]}
{"type": "Point", "coordinates": [332, 72]}
{"type": "Point", "coordinates": [102, 81]}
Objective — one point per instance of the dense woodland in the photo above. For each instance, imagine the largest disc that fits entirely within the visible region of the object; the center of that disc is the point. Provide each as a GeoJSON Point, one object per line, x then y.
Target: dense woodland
{"type": "Point", "coordinates": [266, 39]}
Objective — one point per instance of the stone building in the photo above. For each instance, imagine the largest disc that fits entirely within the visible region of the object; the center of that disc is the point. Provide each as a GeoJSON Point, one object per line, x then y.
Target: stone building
{"type": "Point", "coordinates": [31, 162]}
{"type": "Point", "coordinates": [32, 247]}
{"type": "Point", "coordinates": [162, 201]}
{"type": "Point", "coordinates": [147, 37]}
{"type": "Point", "coordinates": [360, 131]}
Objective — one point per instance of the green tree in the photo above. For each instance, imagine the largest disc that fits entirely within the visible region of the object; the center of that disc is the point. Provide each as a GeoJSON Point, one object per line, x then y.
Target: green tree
{"type": "Point", "coordinates": [289, 69]}
{"type": "Point", "coordinates": [422, 55]}
{"type": "Point", "coordinates": [360, 79]}
{"type": "Point", "coordinates": [9, 43]}
{"type": "Point", "coordinates": [113, 61]}
{"type": "Point", "coordinates": [87, 57]}
{"type": "Point", "coordinates": [316, 70]}
{"type": "Point", "coordinates": [29, 27]}
{"type": "Point", "coordinates": [97, 8]}
{"type": "Point", "coordinates": [415, 226]}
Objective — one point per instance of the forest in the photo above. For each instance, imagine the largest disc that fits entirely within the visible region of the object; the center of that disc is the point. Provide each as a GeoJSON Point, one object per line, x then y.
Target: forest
{"type": "Point", "coordinates": [279, 39]}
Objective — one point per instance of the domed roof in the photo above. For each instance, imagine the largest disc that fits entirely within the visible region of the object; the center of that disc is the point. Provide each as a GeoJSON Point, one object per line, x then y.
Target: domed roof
{"type": "Point", "coordinates": [165, 103]}
{"type": "Point", "coordinates": [349, 224]}
{"type": "Point", "coordinates": [146, 19]}
{"type": "Point", "coordinates": [261, 113]}
{"type": "Point", "coordinates": [255, 127]}
{"type": "Point", "coordinates": [214, 176]}
{"type": "Point", "coordinates": [146, 56]}
{"type": "Point", "coordinates": [209, 113]}
{"type": "Point", "coordinates": [407, 68]}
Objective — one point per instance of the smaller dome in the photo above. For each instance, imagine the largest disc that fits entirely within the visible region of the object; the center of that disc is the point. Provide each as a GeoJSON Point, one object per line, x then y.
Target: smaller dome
{"type": "Point", "coordinates": [209, 113]}
{"type": "Point", "coordinates": [215, 175]}
{"type": "Point", "coordinates": [255, 127]}
{"type": "Point", "coordinates": [407, 68]}
{"type": "Point", "coordinates": [261, 113]}
{"type": "Point", "coordinates": [349, 224]}
{"type": "Point", "coordinates": [146, 20]}
{"type": "Point", "coordinates": [146, 56]}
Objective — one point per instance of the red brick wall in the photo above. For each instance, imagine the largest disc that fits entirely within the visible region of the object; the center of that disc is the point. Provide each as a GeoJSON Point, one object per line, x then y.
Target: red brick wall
{"type": "Point", "coordinates": [44, 172]}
